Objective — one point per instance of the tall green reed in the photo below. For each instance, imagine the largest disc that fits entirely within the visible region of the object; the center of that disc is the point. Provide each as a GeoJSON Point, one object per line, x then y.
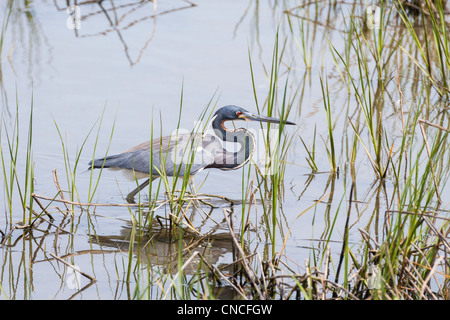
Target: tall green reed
{"type": "Point", "coordinates": [432, 43]}
{"type": "Point", "coordinates": [13, 168]}
{"type": "Point", "coordinates": [270, 172]}
{"type": "Point", "coordinates": [71, 165]}
{"type": "Point", "coordinates": [327, 106]}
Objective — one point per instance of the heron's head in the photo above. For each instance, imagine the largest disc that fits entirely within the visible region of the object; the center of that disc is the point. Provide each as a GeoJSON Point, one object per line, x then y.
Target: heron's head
{"type": "Point", "coordinates": [237, 113]}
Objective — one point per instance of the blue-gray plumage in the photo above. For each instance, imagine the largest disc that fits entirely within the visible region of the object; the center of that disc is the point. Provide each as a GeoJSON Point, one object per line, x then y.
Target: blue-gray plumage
{"type": "Point", "coordinates": [188, 152]}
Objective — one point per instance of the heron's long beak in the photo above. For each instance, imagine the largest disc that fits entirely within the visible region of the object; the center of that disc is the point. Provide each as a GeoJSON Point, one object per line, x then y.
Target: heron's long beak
{"type": "Point", "coordinates": [256, 117]}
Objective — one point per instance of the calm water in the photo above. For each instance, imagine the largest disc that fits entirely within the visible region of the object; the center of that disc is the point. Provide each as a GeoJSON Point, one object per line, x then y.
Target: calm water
{"type": "Point", "coordinates": [137, 71]}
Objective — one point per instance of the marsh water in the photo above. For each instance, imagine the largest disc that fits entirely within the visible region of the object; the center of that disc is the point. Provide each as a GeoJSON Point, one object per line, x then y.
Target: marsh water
{"type": "Point", "coordinates": [127, 64]}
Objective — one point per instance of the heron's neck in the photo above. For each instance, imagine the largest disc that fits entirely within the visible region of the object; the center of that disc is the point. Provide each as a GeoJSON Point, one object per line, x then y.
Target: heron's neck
{"type": "Point", "coordinates": [219, 128]}
{"type": "Point", "coordinates": [231, 135]}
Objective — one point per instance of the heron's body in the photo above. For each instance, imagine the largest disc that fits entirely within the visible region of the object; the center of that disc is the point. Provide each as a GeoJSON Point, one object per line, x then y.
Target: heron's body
{"type": "Point", "coordinates": [164, 150]}
{"type": "Point", "coordinates": [176, 154]}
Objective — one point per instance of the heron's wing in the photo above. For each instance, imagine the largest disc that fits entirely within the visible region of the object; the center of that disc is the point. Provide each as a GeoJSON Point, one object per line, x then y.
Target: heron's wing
{"type": "Point", "coordinates": [160, 144]}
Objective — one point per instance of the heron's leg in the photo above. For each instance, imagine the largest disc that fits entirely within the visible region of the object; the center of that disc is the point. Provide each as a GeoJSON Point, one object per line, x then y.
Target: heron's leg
{"type": "Point", "coordinates": [130, 196]}
{"type": "Point", "coordinates": [196, 202]}
{"type": "Point", "coordinates": [191, 184]}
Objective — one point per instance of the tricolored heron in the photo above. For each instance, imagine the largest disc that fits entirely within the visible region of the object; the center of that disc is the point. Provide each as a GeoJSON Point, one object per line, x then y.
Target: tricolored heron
{"type": "Point", "coordinates": [168, 154]}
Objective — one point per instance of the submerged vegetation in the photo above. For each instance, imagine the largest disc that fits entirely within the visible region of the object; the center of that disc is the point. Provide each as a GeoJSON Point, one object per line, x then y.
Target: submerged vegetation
{"type": "Point", "coordinates": [380, 76]}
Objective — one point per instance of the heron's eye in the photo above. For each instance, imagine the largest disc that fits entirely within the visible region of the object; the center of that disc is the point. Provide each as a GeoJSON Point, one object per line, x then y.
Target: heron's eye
{"type": "Point", "coordinates": [239, 113]}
